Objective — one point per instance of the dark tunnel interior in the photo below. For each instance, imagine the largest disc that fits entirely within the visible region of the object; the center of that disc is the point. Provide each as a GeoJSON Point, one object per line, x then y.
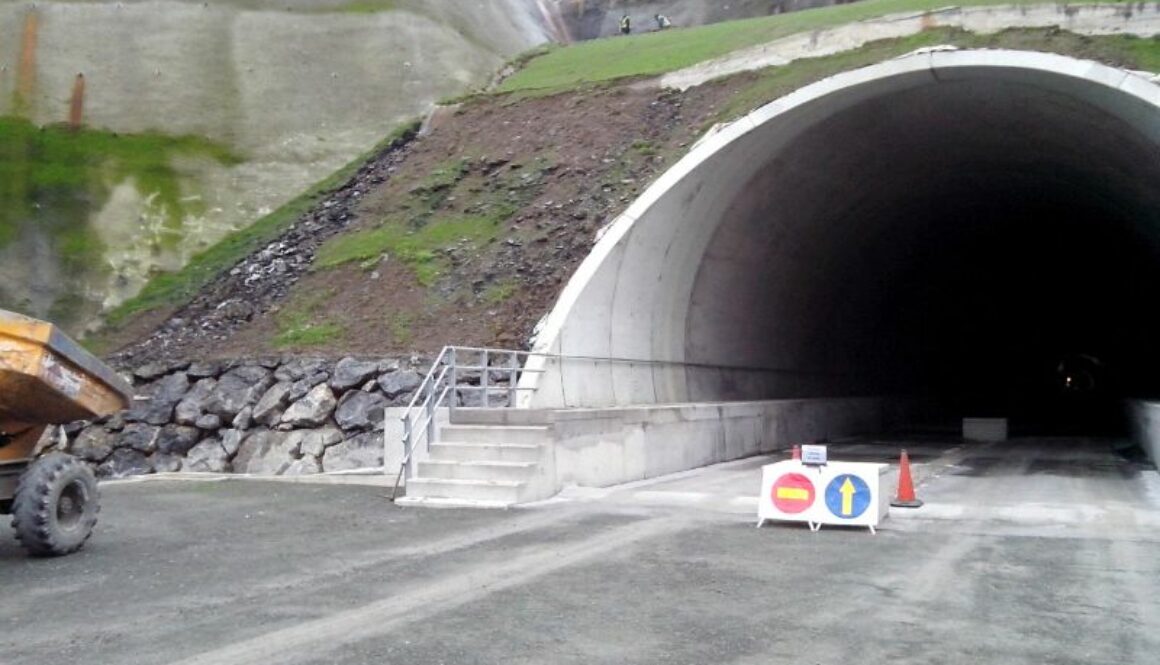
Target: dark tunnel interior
{"type": "Point", "coordinates": [991, 245]}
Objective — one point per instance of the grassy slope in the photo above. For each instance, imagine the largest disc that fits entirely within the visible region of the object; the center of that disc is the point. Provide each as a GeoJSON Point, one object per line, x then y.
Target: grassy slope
{"type": "Point", "coordinates": [660, 52]}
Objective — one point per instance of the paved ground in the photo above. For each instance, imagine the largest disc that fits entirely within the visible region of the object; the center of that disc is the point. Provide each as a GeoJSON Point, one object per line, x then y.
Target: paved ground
{"type": "Point", "coordinates": [1036, 552]}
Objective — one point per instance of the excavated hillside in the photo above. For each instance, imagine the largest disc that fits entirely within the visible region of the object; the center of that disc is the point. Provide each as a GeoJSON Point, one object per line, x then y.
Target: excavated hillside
{"type": "Point", "coordinates": [467, 233]}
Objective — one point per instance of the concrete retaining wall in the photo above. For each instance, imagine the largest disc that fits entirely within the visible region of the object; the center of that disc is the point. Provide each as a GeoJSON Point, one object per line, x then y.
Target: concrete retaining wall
{"type": "Point", "coordinates": [602, 447]}
{"type": "Point", "coordinates": [1144, 419]}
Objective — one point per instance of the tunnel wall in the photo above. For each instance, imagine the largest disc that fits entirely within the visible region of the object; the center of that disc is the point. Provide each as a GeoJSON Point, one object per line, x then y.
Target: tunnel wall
{"type": "Point", "coordinates": [661, 311]}
{"type": "Point", "coordinates": [1144, 420]}
{"type": "Point", "coordinates": [603, 447]}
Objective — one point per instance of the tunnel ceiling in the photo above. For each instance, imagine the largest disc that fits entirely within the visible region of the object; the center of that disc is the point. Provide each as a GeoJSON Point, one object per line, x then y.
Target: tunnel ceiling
{"type": "Point", "coordinates": [956, 233]}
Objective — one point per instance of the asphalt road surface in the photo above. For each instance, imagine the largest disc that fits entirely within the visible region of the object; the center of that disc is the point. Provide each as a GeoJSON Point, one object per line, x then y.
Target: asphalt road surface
{"type": "Point", "coordinates": [1036, 551]}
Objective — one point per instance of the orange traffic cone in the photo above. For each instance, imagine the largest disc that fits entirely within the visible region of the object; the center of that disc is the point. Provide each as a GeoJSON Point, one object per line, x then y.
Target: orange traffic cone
{"type": "Point", "coordinates": [797, 452]}
{"type": "Point", "coordinates": [906, 497]}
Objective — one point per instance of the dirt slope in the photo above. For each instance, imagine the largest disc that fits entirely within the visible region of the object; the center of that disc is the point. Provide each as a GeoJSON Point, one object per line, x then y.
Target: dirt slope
{"type": "Point", "coordinates": [554, 170]}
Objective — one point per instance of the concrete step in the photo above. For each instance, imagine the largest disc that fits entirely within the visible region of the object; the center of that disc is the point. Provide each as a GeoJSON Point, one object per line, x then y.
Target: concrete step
{"type": "Point", "coordinates": [521, 434]}
{"type": "Point", "coordinates": [451, 470]}
{"type": "Point", "coordinates": [444, 502]}
{"type": "Point", "coordinates": [501, 491]}
{"type": "Point", "coordinates": [477, 416]}
{"type": "Point", "coordinates": [485, 452]}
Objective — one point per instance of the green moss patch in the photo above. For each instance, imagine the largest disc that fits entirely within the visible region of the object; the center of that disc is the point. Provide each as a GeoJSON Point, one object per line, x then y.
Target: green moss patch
{"type": "Point", "coordinates": [170, 289]}
{"type": "Point", "coordinates": [54, 178]}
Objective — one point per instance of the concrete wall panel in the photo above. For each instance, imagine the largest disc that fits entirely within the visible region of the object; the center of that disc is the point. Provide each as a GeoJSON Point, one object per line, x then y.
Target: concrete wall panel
{"type": "Point", "coordinates": [603, 447]}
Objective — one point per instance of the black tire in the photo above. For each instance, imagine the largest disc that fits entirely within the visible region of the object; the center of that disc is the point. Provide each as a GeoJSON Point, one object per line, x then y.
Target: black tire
{"type": "Point", "coordinates": [56, 505]}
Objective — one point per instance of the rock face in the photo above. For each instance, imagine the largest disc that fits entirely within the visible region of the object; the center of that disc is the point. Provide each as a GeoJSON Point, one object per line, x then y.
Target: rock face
{"type": "Point", "coordinates": [312, 410]}
{"type": "Point", "coordinates": [360, 452]}
{"type": "Point", "coordinates": [298, 416]}
{"type": "Point", "coordinates": [266, 452]}
{"type": "Point", "coordinates": [166, 393]}
{"type": "Point", "coordinates": [360, 411]}
{"type": "Point", "coordinates": [207, 456]}
{"type": "Point", "coordinates": [124, 462]}
{"type": "Point", "coordinates": [397, 384]}
{"type": "Point", "coordinates": [349, 373]}
{"type": "Point", "coordinates": [177, 439]}
{"type": "Point", "coordinates": [237, 389]}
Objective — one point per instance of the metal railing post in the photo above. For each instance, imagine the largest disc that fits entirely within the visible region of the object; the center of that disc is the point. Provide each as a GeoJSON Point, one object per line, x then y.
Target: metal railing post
{"type": "Point", "coordinates": [408, 445]}
{"type": "Point", "coordinates": [431, 424]}
{"type": "Point", "coordinates": [483, 379]}
{"type": "Point", "coordinates": [513, 378]}
{"type": "Point", "coordinates": [454, 362]}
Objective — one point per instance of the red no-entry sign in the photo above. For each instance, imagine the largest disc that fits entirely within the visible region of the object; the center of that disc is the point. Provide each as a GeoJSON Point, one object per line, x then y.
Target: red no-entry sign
{"type": "Point", "coordinates": [792, 493]}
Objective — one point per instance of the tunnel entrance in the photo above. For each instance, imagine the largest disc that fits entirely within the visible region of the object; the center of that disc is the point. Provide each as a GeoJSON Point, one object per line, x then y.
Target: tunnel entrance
{"type": "Point", "coordinates": [978, 229]}
{"type": "Point", "coordinates": [986, 242]}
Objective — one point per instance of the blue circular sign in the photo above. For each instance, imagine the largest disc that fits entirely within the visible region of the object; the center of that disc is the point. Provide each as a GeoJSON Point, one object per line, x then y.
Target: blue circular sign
{"type": "Point", "coordinates": [847, 496]}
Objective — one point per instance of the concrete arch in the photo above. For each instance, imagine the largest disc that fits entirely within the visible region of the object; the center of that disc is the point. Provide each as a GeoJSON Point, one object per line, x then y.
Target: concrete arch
{"type": "Point", "coordinates": [784, 255]}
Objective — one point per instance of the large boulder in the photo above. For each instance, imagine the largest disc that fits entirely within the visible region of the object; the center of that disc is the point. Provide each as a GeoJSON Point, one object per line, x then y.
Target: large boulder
{"type": "Point", "coordinates": [177, 439]}
{"type": "Point", "coordinates": [166, 463]}
{"type": "Point", "coordinates": [349, 373]}
{"type": "Point", "coordinates": [192, 405]}
{"type": "Point", "coordinates": [163, 398]}
{"type": "Point", "coordinates": [237, 389]}
{"type": "Point", "coordinates": [204, 369]}
{"type": "Point", "coordinates": [266, 452]}
{"type": "Point", "coordinates": [315, 443]}
{"type": "Point", "coordinates": [397, 384]}
{"type": "Point", "coordinates": [364, 451]}
{"type": "Point", "coordinates": [299, 368]}
{"type": "Point", "coordinates": [156, 370]}
{"type": "Point", "coordinates": [207, 456]}
{"type": "Point", "coordinates": [231, 440]}
{"type": "Point", "coordinates": [93, 444]}
{"type": "Point", "coordinates": [139, 437]}
{"type": "Point", "coordinates": [302, 386]}
{"type": "Point", "coordinates": [124, 462]}
{"type": "Point", "coordinates": [306, 466]}
{"type": "Point", "coordinates": [245, 419]}
{"type": "Point", "coordinates": [268, 411]}
{"type": "Point", "coordinates": [360, 411]}
{"type": "Point", "coordinates": [312, 410]}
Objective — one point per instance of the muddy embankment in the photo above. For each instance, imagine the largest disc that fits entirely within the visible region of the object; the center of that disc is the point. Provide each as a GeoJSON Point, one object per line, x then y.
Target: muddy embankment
{"type": "Point", "coordinates": [285, 92]}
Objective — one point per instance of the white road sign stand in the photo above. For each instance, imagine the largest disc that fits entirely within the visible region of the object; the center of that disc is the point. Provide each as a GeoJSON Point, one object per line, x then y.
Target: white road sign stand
{"type": "Point", "coordinates": [844, 493]}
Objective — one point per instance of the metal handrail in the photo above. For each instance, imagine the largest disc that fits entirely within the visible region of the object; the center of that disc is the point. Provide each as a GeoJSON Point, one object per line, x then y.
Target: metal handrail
{"type": "Point", "coordinates": [443, 379]}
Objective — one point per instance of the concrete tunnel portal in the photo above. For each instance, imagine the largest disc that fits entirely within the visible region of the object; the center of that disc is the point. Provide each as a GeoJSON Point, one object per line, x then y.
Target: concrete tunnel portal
{"type": "Point", "coordinates": [982, 227]}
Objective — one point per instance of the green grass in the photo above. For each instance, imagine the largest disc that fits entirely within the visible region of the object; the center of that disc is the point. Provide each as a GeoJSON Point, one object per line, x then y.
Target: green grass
{"type": "Point", "coordinates": [169, 289]}
{"type": "Point", "coordinates": [360, 7]}
{"type": "Point", "coordinates": [400, 326]}
{"type": "Point", "coordinates": [654, 53]}
{"type": "Point", "coordinates": [453, 206]}
{"type": "Point", "coordinates": [499, 292]}
{"type": "Point", "coordinates": [419, 249]}
{"type": "Point", "coordinates": [309, 334]}
{"type": "Point", "coordinates": [300, 322]}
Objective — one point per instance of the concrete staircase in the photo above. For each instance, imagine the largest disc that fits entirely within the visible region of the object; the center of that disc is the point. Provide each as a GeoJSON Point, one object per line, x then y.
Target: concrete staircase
{"type": "Point", "coordinates": [484, 458]}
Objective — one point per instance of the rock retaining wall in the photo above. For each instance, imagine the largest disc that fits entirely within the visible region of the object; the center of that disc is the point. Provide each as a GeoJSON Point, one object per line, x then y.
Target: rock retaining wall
{"type": "Point", "coordinates": [277, 417]}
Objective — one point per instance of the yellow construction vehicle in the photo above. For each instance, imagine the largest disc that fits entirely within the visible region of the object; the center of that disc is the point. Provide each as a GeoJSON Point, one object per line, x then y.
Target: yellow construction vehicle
{"type": "Point", "coordinates": [46, 379]}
